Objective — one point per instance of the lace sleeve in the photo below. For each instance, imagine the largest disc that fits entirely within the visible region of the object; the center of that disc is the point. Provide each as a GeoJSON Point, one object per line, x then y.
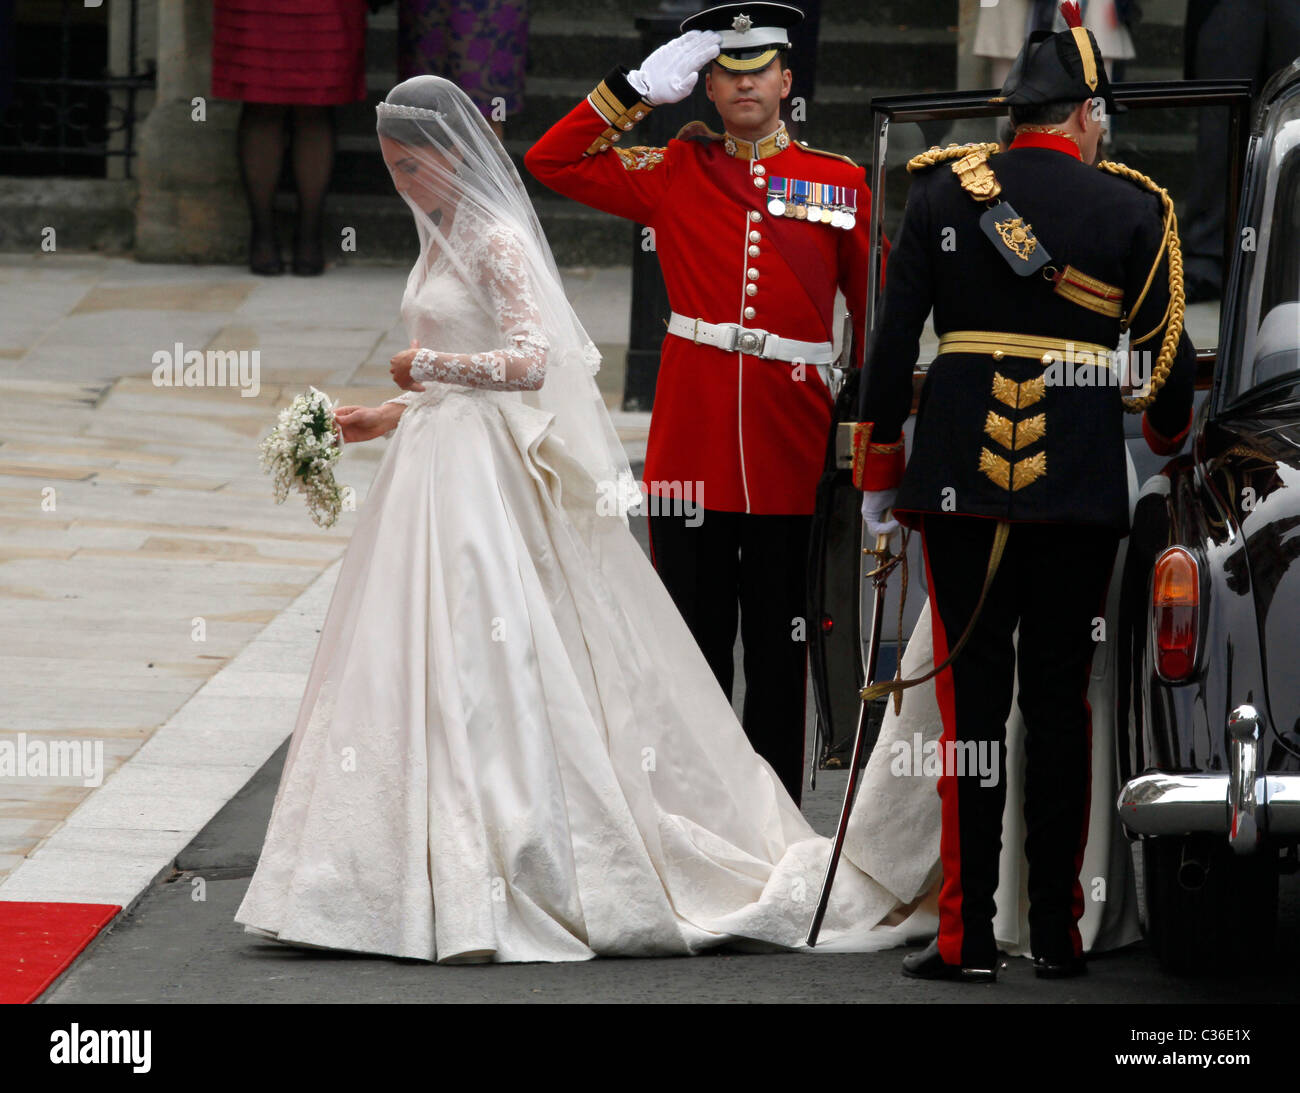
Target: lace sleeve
{"type": "Point", "coordinates": [520, 365]}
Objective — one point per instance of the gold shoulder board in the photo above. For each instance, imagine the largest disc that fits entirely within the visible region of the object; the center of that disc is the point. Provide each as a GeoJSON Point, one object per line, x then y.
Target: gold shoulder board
{"type": "Point", "coordinates": [953, 151]}
{"type": "Point", "coordinates": [695, 129]}
{"type": "Point", "coordinates": [823, 152]}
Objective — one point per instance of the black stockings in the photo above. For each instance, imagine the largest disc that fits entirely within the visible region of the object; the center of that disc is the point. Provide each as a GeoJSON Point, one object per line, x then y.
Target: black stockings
{"type": "Point", "coordinates": [262, 139]}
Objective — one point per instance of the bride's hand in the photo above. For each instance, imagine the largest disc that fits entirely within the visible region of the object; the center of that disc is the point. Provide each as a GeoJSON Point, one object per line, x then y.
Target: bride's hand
{"type": "Point", "coordinates": [360, 423]}
{"type": "Point", "coordinates": [400, 367]}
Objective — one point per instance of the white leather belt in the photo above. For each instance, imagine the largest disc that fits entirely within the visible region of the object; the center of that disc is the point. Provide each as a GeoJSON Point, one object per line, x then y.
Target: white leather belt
{"type": "Point", "coordinates": [734, 338]}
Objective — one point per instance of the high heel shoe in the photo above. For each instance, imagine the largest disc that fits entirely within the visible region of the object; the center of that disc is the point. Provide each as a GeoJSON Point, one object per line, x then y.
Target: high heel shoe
{"type": "Point", "coordinates": [307, 262]}
{"type": "Point", "coordinates": [264, 257]}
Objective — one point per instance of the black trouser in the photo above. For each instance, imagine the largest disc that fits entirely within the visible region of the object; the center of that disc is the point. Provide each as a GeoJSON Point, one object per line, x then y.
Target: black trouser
{"type": "Point", "coordinates": [757, 565]}
{"type": "Point", "coordinates": [1052, 582]}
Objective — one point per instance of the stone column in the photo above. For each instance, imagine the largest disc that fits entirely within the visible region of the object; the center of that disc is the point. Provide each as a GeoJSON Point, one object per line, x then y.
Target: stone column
{"type": "Point", "coordinates": [191, 205]}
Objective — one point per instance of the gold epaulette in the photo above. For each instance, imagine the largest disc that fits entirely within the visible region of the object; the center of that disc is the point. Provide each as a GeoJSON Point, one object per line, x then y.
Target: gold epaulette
{"type": "Point", "coordinates": [823, 152]}
{"type": "Point", "coordinates": [697, 128]}
{"type": "Point", "coordinates": [1172, 320]}
{"type": "Point", "coordinates": [941, 155]}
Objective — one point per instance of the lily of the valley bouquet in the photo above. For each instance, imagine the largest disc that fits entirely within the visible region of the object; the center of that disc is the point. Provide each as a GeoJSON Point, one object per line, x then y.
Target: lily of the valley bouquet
{"type": "Point", "coordinates": [301, 452]}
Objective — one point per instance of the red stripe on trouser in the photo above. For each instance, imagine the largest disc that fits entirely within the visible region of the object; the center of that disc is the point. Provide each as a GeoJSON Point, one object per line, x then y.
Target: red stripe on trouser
{"type": "Point", "coordinates": [951, 931]}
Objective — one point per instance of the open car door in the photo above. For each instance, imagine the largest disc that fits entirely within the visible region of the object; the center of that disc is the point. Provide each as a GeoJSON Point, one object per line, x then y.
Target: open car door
{"type": "Point", "coordinates": [1159, 136]}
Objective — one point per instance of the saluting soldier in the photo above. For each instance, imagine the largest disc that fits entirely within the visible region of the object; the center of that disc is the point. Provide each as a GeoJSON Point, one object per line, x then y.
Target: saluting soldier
{"type": "Point", "coordinates": [755, 234]}
{"type": "Point", "coordinates": [1034, 262]}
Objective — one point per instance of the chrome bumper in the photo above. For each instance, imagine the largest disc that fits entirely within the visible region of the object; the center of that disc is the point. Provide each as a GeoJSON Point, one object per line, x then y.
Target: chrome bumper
{"type": "Point", "coordinates": [1178, 804]}
{"type": "Point", "coordinates": [1242, 804]}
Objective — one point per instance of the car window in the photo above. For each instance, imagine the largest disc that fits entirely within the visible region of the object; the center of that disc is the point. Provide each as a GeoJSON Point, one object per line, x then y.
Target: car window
{"type": "Point", "coordinates": [1271, 274]}
{"type": "Point", "coordinates": [1182, 147]}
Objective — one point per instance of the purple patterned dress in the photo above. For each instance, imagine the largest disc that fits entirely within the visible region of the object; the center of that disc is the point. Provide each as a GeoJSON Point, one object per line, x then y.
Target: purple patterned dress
{"type": "Point", "coordinates": [481, 45]}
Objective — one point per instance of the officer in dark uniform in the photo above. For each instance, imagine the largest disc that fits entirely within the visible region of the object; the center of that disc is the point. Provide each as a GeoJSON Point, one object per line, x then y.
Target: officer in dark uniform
{"type": "Point", "coordinates": [1034, 262]}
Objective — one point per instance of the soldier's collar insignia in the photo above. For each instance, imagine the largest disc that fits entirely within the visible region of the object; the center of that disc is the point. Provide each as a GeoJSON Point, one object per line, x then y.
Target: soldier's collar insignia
{"type": "Point", "coordinates": [770, 145]}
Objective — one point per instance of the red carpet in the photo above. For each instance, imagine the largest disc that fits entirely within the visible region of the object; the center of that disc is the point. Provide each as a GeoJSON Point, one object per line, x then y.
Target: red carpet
{"type": "Point", "coordinates": [39, 940]}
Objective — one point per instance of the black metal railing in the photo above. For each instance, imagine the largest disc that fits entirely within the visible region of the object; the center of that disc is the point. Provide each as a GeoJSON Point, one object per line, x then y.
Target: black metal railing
{"type": "Point", "coordinates": [66, 114]}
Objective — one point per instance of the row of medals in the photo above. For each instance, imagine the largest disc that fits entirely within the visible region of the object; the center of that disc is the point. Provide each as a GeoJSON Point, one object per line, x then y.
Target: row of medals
{"type": "Point", "coordinates": [816, 202]}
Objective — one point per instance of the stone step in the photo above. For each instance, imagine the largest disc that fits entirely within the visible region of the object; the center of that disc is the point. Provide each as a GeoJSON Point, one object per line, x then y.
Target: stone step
{"type": "Point", "coordinates": [912, 12]}
{"type": "Point", "coordinates": [887, 56]}
{"type": "Point", "coordinates": [1170, 160]}
{"type": "Point", "coordinates": [385, 230]}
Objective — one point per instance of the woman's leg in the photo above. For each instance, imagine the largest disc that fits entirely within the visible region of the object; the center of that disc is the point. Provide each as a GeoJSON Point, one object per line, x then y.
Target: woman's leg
{"type": "Point", "coordinates": [313, 163]}
{"type": "Point", "coordinates": [261, 154]}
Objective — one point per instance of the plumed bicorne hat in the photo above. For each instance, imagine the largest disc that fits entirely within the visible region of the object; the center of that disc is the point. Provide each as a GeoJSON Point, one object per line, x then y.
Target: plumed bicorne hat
{"type": "Point", "coordinates": [1064, 66]}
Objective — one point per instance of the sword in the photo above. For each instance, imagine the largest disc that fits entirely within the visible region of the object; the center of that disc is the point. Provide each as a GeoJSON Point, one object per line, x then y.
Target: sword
{"type": "Point", "coordinates": [885, 562]}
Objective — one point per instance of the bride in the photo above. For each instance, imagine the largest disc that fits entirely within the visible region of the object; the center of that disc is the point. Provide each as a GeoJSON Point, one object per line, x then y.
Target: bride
{"type": "Point", "coordinates": [509, 747]}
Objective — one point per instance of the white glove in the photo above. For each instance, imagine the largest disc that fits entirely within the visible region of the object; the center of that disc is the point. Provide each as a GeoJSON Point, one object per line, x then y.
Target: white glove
{"type": "Point", "coordinates": [875, 503]}
{"type": "Point", "coordinates": [669, 73]}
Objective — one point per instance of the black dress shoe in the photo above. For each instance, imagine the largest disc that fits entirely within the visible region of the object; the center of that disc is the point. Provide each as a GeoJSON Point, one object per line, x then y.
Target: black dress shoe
{"type": "Point", "coordinates": [928, 964]}
{"type": "Point", "coordinates": [1047, 968]}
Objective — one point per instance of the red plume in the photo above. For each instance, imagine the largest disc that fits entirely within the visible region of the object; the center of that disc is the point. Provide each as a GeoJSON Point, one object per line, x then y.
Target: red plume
{"type": "Point", "coordinates": [1070, 10]}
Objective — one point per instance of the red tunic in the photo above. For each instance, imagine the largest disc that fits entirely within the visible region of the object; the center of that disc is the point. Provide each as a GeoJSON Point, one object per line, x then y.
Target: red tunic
{"type": "Point", "coordinates": [751, 433]}
{"type": "Point", "coordinates": [309, 52]}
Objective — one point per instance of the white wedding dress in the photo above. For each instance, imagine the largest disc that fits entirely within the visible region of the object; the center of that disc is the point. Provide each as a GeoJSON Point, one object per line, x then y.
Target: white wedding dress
{"type": "Point", "coordinates": [510, 747]}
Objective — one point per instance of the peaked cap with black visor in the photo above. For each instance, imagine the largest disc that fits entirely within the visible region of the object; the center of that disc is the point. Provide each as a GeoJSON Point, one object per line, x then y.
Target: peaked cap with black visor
{"type": "Point", "coordinates": [752, 34]}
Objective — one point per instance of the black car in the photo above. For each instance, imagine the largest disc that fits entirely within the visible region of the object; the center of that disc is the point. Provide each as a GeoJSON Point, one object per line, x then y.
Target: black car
{"type": "Point", "coordinates": [1209, 727]}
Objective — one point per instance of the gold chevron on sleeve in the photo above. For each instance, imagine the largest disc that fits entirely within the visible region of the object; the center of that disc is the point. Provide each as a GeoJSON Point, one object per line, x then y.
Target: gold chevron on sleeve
{"type": "Point", "coordinates": [1029, 431]}
{"type": "Point", "coordinates": [1028, 470]}
{"type": "Point", "coordinates": [1000, 429]}
{"type": "Point", "coordinates": [1012, 476]}
{"type": "Point", "coordinates": [995, 468]}
{"type": "Point", "coordinates": [1018, 395]}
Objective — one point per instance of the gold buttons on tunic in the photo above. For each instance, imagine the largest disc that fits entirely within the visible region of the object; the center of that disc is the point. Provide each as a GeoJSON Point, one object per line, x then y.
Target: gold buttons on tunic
{"type": "Point", "coordinates": [754, 237]}
{"type": "Point", "coordinates": [752, 274]}
{"type": "Point", "coordinates": [759, 169]}
{"type": "Point", "coordinates": [751, 290]}
{"type": "Point", "coordinates": [753, 251]}
{"type": "Point", "coordinates": [759, 182]}
{"type": "Point", "coordinates": [755, 215]}
{"type": "Point", "coordinates": [750, 313]}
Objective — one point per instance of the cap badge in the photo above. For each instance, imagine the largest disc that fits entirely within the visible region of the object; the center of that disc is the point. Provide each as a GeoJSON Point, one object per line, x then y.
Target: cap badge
{"type": "Point", "coordinates": [742, 23]}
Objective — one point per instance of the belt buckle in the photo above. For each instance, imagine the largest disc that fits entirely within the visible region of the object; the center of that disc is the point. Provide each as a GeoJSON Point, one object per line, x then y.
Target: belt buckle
{"type": "Point", "coordinates": [753, 342]}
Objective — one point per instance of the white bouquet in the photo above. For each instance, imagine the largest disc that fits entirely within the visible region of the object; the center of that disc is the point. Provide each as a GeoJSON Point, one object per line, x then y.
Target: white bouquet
{"type": "Point", "coordinates": [302, 450]}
